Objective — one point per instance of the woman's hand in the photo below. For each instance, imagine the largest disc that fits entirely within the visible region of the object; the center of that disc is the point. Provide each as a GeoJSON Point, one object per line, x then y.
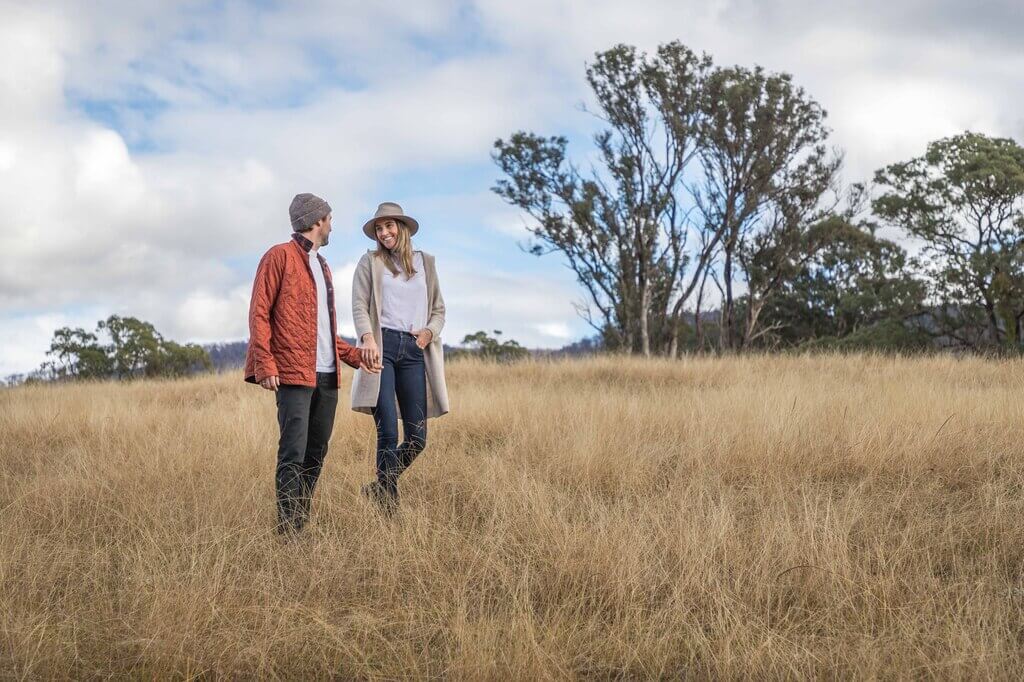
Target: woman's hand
{"type": "Point", "coordinates": [369, 353]}
{"type": "Point", "coordinates": [271, 383]}
{"type": "Point", "coordinates": [423, 338]}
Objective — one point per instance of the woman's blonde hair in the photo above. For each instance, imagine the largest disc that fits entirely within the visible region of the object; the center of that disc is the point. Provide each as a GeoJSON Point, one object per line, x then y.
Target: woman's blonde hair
{"type": "Point", "coordinates": [401, 253]}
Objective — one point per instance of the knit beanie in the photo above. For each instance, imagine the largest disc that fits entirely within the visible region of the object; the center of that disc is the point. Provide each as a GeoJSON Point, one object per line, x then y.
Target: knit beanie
{"type": "Point", "coordinates": [306, 210]}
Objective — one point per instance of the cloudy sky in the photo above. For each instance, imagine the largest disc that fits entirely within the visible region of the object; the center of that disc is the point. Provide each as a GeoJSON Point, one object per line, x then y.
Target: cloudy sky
{"type": "Point", "coordinates": [149, 150]}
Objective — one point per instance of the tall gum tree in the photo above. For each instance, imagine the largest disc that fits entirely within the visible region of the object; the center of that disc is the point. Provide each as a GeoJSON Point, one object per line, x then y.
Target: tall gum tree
{"type": "Point", "coordinates": [702, 170]}
{"type": "Point", "coordinates": [623, 227]}
{"type": "Point", "coordinates": [964, 200]}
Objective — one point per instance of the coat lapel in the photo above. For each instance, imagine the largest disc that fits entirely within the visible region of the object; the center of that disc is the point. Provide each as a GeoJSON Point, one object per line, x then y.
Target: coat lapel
{"type": "Point", "coordinates": [377, 272]}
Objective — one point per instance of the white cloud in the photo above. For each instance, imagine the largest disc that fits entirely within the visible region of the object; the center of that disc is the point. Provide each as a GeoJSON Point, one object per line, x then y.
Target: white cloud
{"type": "Point", "coordinates": [208, 316]}
{"type": "Point", "coordinates": [33, 67]}
{"type": "Point", "coordinates": [556, 330]}
{"type": "Point", "coordinates": [521, 306]}
{"type": "Point", "coordinates": [342, 280]}
{"type": "Point", "coordinates": [894, 116]}
{"type": "Point", "coordinates": [507, 220]}
{"type": "Point", "coordinates": [26, 338]}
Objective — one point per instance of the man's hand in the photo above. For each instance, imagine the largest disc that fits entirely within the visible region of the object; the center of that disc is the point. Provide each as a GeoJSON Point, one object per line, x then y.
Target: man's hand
{"type": "Point", "coordinates": [271, 383]}
{"type": "Point", "coordinates": [369, 354]}
{"type": "Point", "coordinates": [423, 338]}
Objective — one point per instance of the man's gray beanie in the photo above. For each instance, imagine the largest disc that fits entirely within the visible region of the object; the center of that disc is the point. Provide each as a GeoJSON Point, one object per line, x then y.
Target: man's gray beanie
{"type": "Point", "coordinates": [306, 210]}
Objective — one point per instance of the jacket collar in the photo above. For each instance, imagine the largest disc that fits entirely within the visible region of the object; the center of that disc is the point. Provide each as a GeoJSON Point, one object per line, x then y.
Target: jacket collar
{"type": "Point", "coordinates": [306, 244]}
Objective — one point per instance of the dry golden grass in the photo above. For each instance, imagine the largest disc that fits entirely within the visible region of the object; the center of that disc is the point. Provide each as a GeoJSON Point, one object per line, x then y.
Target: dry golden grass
{"type": "Point", "coordinates": [752, 517]}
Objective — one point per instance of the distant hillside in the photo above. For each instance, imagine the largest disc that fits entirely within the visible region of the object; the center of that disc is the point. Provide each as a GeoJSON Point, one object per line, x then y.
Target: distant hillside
{"type": "Point", "coordinates": [230, 355]}
{"type": "Point", "coordinates": [227, 355]}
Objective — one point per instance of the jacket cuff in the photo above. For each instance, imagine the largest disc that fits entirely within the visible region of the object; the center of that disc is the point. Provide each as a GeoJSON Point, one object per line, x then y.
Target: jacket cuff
{"type": "Point", "coordinates": [349, 354]}
{"type": "Point", "coordinates": [264, 370]}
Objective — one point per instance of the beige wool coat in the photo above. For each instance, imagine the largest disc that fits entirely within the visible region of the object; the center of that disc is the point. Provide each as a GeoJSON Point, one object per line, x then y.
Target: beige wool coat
{"type": "Point", "coordinates": [366, 297]}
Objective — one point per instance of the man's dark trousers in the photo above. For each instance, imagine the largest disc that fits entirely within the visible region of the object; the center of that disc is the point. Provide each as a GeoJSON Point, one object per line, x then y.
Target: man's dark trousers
{"type": "Point", "coordinates": [306, 417]}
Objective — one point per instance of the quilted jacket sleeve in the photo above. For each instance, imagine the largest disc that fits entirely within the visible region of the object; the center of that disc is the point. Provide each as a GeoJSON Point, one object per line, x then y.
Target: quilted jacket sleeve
{"type": "Point", "coordinates": [264, 294]}
{"type": "Point", "coordinates": [348, 353]}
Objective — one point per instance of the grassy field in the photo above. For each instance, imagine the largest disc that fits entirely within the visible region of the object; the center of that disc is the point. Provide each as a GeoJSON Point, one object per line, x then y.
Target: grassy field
{"type": "Point", "coordinates": [754, 517]}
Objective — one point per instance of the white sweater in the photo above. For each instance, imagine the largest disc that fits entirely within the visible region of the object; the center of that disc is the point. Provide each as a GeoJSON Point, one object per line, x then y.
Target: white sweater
{"type": "Point", "coordinates": [403, 302]}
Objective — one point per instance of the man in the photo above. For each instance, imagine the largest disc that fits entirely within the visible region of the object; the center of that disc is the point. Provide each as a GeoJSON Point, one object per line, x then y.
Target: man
{"type": "Point", "coordinates": [294, 350]}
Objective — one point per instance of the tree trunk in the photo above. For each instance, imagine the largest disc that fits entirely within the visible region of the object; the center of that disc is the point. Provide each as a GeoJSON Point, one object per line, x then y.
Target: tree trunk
{"type": "Point", "coordinates": [753, 314]}
{"type": "Point", "coordinates": [698, 324]}
{"type": "Point", "coordinates": [726, 340]}
{"type": "Point", "coordinates": [645, 313]}
{"type": "Point", "coordinates": [993, 320]}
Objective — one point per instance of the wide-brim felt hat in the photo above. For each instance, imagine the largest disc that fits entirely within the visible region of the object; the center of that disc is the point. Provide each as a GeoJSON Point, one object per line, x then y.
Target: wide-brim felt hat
{"type": "Point", "coordinates": [389, 209]}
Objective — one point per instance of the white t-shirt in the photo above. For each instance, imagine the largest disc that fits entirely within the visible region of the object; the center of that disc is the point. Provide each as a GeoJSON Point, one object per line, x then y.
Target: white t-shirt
{"type": "Point", "coordinates": [403, 304]}
{"type": "Point", "coordinates": [324, 338]}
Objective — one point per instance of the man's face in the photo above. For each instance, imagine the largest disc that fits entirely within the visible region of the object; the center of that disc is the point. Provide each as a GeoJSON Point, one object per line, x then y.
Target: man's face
{"type": "Point", "coordinates": [325, 229]}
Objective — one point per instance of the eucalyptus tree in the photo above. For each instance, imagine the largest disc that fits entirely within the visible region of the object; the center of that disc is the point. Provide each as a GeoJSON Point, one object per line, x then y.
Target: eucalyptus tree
{"type": "Point", "coordinates": [963, 200]}
{"type": "Point", "coordinates": [858, 287]}
{"type": "Point", "coordinates": [135, 349]}
{"type": "Point", "coordinates": [767, 176]}
{"type": "Point", "coordinates": [700, 171]}
{"type": "Point", "coordinates": [623, 227]}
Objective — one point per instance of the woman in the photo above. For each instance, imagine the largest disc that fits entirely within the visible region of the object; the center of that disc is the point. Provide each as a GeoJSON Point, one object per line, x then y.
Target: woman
{"type": "Point", "coordinates": [398, 313]}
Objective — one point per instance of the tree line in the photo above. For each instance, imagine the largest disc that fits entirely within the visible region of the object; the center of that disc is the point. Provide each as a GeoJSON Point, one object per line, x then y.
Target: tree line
{"type": "Point", "coordinates": [125, 348]}
{"type": "Point", "coordinates": [713, 218]}
{"type": "Point", "coordinates": [121, 348]}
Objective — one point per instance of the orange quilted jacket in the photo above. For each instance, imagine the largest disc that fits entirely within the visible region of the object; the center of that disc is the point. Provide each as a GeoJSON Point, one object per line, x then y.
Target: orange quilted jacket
{"type": "Point", "coordinates": [283, 318]}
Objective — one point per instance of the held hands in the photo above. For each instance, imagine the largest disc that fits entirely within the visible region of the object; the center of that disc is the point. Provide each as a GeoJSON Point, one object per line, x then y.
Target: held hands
{"type": "Point", "coordinates": [369, 354]}
{"type": "Point", "coordinates": [271, 383]}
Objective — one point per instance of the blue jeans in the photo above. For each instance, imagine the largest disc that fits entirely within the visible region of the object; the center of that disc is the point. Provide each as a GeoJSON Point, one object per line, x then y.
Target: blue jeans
{"type": "Point", "coordinates": [402, 378]}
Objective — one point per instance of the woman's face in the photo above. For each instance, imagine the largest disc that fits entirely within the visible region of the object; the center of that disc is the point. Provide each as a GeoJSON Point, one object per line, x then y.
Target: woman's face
{"type": "Point", "coordinates": [387, 232]}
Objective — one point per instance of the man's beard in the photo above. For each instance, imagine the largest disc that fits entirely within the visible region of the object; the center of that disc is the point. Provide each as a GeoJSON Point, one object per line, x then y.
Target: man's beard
{"type": "Point", "coordinates": [325, 241]}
